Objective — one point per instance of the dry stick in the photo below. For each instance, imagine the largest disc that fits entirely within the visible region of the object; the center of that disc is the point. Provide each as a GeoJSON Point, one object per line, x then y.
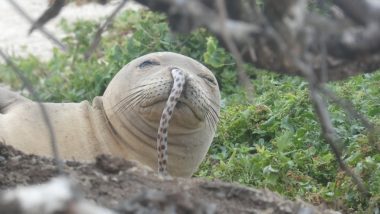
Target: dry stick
{"type": "Point", "coordinates": [327, 127]}
{"type": "Point", "coordinates": [45, 115]}
{"type": "Point", "coordinates": [242, 75]}
{"type": "Point", "coordinates": [243, 31]}
{"type": "Point", "coordinates": [40, 28]}
{"type": "Point", "coordinates": [101, 29]}
{"type": "Point", "coordinates": [321, 109]}
{"type": "Point", "coordinates": [350, 109]}
{"type": "Point", "coordinates": [201, 15]}
{"type": "Point", "coordinates": [345, 104]}
{"type": "Point", "coordinates": [330, 136]}
{"type": "Point", "coordinates": [50, 13]}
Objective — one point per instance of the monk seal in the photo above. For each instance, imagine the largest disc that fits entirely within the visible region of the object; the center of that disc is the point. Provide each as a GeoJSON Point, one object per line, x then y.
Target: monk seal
{"type": "Point", "coordinates": [124, 121]}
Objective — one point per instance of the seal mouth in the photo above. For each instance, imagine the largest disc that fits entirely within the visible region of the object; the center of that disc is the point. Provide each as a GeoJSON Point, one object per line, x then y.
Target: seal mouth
{"type": "Point", "coordinates": [181, 104]}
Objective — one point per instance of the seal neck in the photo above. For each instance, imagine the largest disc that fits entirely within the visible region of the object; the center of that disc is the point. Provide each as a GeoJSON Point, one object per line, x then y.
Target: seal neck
{"type": "Point", "coordinates": [108, 141]}
{"type": "Point", "coordinates": [134, 139]}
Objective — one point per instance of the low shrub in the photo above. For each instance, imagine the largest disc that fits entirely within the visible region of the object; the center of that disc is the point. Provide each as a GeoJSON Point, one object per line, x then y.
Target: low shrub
{"type": "Point", "coordinates": [274, 142]}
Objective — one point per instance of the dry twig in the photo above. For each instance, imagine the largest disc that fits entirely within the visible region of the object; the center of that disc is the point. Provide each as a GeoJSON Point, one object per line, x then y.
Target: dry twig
{"type": "Point", "coordinates": [327, 128]}
{"type": "Point", "coordinates": [243, 78]}
{"type": "Point", "coordinates": [45, 115]}
{"type": "Point", "coordinates": [98, 34]}
{"type": "Point", "coordinates": [49, 14]}
{"type": "Point", "coordinates": [48, 35]}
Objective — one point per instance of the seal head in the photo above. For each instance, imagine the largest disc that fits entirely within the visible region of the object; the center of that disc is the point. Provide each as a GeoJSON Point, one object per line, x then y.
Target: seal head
{"type": "Point", "coordinates": [134, 101]}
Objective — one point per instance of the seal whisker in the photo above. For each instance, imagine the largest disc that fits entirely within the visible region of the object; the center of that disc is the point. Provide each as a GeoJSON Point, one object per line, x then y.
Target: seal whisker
{"type": "Point", "coordinates": [214, 113]}
{"type": "Point", "coordinates": [137, 101]}
{"type": "Point", "coordinates": [211, 100]}
{"type": "Point", "coordinates": [127, 100]}
{"type": "Point", "coordinates": [147, 84]}
{"type": "Point", "coordinates": [213, 120]}
{"type": "Point", "coordinates": [135, 93]}
{"type": "Point", "coordinates": [133, 90]}
{"type": "Point", "coordinates": [141, 89]}
{"type": "Point", "coordinates": [134, 101]}
{"type": "Point", "coordinates": [209, 121]}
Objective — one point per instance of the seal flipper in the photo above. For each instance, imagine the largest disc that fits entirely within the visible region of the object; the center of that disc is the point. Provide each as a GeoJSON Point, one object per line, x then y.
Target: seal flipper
{"type": "Point", "coordinates": [9, 98]}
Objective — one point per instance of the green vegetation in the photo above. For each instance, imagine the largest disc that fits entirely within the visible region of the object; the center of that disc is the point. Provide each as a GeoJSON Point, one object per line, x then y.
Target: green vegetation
{"type": "Point", "coordinates": [274, 142]}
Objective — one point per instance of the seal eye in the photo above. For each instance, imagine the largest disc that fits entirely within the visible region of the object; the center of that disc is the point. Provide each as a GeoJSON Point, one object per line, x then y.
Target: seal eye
{"type": "Point", "coordinates": [209, 80]}
{"type": "Point", "coordinates": [147, 63]}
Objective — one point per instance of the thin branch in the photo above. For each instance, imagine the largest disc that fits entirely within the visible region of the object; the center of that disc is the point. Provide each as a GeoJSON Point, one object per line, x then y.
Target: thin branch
{"type": "Point", "coordinates": [203, 16]}
{"type": "Point", "coordinates": [49, 14]}
{"type": "Point", "coordinates": [347, 105]}
{"type": "Point", "coordinates": [350, 109]}
{"type": "Point", "coordinates": [98, 35]}
{"type": "Point", "coordinates": [348, 44]}
{"type": "Point", "coordinates": [327, 127]}
{"type": "Point", "coordinates": [358, 11]}
{"type": "Point", "coordinates": [243, 78]}
{"type": "Point", "coordinates": [40, 28]}
{"type": "Point", "coordinates": [330, 137]}
{"type": "Point", "coordinates": [42, 107]}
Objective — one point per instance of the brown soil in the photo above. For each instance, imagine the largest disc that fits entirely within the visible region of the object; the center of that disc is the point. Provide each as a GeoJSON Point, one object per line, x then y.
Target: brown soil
{"type": "Point", "coordinates": [128, 188]}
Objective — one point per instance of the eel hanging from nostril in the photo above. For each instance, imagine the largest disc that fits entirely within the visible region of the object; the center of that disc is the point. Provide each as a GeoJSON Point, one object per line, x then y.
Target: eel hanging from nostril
{"type": "Point", "coordinates": [162, 136]}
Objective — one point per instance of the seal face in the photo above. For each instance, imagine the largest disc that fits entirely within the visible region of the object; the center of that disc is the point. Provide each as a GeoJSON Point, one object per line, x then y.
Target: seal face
{"type": "Point", "coordinates": [139, 92]}
{"type": "Point", "coordinates": [124, 121]}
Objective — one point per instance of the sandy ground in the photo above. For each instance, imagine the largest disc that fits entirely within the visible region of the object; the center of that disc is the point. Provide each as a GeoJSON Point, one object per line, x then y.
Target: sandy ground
{"type": "Point", "coordinates": [123, 185]}
{"type": "Point", "coordinates": [14, 38]}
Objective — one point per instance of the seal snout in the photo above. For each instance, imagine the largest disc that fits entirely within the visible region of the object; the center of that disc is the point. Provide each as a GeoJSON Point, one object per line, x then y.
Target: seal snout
{"type": "Point", "coordinates": [136, 100]}
{"type": "Point", "coordinates": [189, 93]}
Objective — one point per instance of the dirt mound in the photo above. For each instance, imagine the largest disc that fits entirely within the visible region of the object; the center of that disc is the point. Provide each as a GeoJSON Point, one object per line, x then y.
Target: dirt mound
{"type": "Point", "coordinates": [129, 188]}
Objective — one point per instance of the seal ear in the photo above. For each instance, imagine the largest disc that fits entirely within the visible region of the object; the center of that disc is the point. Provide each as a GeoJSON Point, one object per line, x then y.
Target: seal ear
{"type": "Point", "coordinates": [9, 98]}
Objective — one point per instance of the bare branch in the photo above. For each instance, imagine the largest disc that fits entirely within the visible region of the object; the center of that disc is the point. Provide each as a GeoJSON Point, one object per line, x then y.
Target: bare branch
{"type": "Point", "coordinates": [45, 115]}
{"type": "Point", "coordinates": [243, 78]}
{"type": "Point", "coordinates": [98, 35]}
{"type": "Point", "coordinates": [350, 109]}
{"type": "Point", "coordinates": [203, 16]}
{"type": "Point", "coordinates": [358, 11]}
{"type": "Point", "coordinates": [49, 14]}
{"type": "Point", "coordinates": [327, 127]}
{"type": "Point", "coordinates": [330, 137]}
{"type": "Point", "coordinates": [40, 28]}
{"type": "Point", "coordinates": [347, 43]}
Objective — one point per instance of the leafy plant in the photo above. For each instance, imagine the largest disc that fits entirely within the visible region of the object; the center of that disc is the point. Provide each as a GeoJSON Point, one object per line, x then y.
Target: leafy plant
{"type": "Point", "coordinates": [275, 143]}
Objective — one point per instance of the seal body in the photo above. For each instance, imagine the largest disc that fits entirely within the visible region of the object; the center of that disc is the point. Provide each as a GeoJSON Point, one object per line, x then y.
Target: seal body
{"type": "Point", "coordinates": [124, 121]}
{"type": "Point", "coordinates": [81, 130]}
